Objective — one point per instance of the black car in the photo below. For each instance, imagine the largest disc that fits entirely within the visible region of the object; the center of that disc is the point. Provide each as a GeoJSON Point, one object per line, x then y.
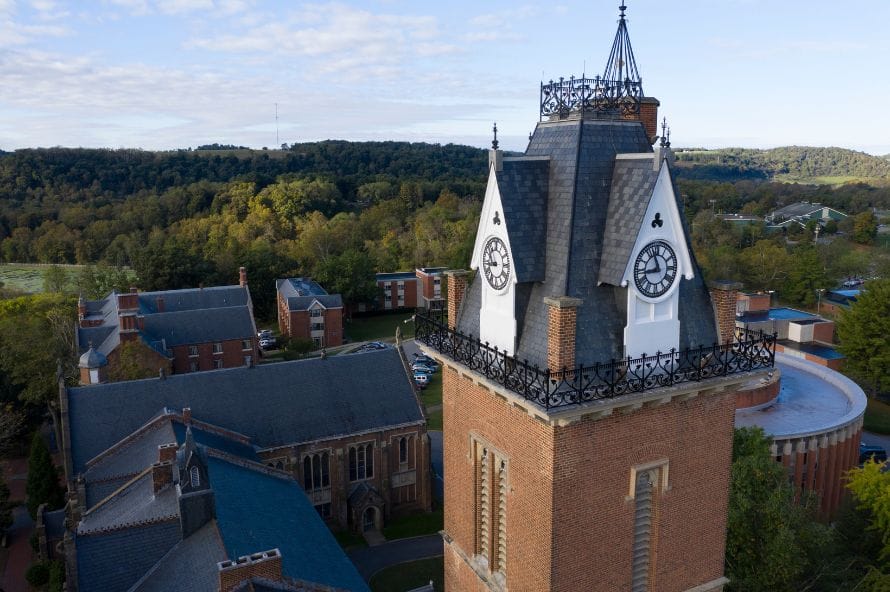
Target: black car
{"type": "Point", "coordinates": [875, 452]}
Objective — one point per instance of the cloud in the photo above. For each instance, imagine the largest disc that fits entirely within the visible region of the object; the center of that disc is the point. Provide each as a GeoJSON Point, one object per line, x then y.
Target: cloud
{"type": "Point", "coordinates": [182, 7]}
{"type": "Point", "coordinates": [338, 38]}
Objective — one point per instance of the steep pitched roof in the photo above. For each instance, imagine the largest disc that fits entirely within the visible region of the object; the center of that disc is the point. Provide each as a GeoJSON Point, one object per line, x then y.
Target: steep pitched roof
{"type": "Point", "coordinates": [522, 184]}
{"type": "Point", "coordinates": [188, 565]}
{"type": "Point", "coordinates": [134, 504]}
{"type": "Point", "coordinates": [632, 183]}
{"type": "Point", "coordinates": [193, 299]}
{"type": "Point", "coordinates": [199, 326]}
{"type": "Point", "coordinates": [300, 286]}
{"type": "Point", "coordinates": [297, 402]}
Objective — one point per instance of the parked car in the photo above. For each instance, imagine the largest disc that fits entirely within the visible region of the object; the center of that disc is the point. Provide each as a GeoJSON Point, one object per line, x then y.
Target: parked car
{"type": "Point", "coordinates": [264, 334]}
{"type": "Point", "coordinates": [267, 342]}
{"type": "Point", "coordinates": [426, 361]}
{"type": "Point", "coordinates": [423, 368]}
{"type": "Point", "coordinates": [421, 379]}
{"type": "Point", "coordinates": [377, 345]}
{"type": "Point", "coordinates": [874, 452]}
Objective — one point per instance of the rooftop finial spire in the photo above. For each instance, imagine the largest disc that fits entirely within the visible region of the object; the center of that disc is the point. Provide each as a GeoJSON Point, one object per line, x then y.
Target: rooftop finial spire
{"type": "Point", "coordinates": [622, 8]}
{"type": "Point", "coordinates": [494, 143]}
{"type": "Point", "coordinates": [664, 132]}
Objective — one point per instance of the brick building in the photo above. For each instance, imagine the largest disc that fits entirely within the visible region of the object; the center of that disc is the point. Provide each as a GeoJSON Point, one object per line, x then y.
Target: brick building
{"type": "Point", "coordinates": [421, 288]}
{"type": "Point", "coordinates": [340, 440]}
{"type": "Point", "coordinates": [577, 400]}
{"type": "Point", "coordinates": [306, 311]}
{"type": "Point", "coordinates": [175, 331]}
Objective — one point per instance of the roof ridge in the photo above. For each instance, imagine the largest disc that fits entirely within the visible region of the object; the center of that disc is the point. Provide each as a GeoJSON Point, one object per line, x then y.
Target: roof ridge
{"type": "Point", "coordinates": [108, 498]}
{"type": "Point", "coordinates": [250, 464]}
{"type": "Point", "coordinates": [213, 428]}
{"type": "Point", "coordinates": [128, 525]}
{"type": "Point", "coordinates": [130, 438]}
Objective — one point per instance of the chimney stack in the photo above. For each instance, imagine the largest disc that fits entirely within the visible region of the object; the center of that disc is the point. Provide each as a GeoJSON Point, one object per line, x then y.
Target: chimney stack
{"type": "Point", "coordinates": [265, 565]}
{"type": "Point", "coordinates": [161, 475]}
{"type": "Point", "coordinates": [167, 452]}
{"type": "Point", "coordinates": [242, 276]}
{"type": "Point", "coordinates": [457, 287]}
{"type": "Point", "coordinates": [159, 303]}
{"type": "Point", "coordinates": [186, 415]}
{"type": "Point", "coordinates": [561, 330]}
{"type": "Point", "coordinates": [724, 294]}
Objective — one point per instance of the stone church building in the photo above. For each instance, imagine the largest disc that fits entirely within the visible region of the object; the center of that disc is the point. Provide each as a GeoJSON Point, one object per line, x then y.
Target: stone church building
{"type": "Point", "coordinates": [589, 390]}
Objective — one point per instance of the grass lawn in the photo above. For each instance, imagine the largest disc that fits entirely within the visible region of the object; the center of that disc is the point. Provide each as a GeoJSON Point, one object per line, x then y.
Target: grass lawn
{"type": "Point", "coordinates": [417, 524]}
{"type": "Point", "coordinates": [434, 420]}
{"type": "Point", "coordinates": [877, 417]}
{"type": "Point", "coordinates": [349, 539]}
{"type": "Point", "coordinates": [432, 394]}
{"type": "Point", "coordinates": [410, 575]}
{"type": "Point", "coordinates": [379, 327]}
{"type": "Point", "coordinates": [29, 278]}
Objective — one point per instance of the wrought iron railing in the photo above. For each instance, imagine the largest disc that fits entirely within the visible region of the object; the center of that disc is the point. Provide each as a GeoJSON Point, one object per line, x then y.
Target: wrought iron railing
{"type": "Point", "coordinates": [551, 389]}
{"type": "Point", "coordinates": [563, 96]}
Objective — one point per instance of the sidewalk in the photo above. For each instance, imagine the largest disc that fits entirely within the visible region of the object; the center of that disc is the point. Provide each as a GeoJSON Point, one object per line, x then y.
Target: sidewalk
{"type": "Point", "coordinates": [19, 554]}
{"type": "Point", "coordinates": [370, 560]}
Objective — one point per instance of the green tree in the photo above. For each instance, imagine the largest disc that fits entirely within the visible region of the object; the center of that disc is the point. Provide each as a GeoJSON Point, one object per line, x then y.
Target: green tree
{"type": "Point", "coordinates": [862, 331]}
{"type": "Point", "coordinates": [55, 280]}
{"type": "Point", "coordinates": [350, 274]}
{"type": "Point", "coordinates": [129, 365]}
{"type": "Point", "coordinates": [772, 542]}
{"type": "Point", "coordinates": [766, 265]}
{"type": "Point", "coordinates": [806, 276]}
{"type": "Point", "coordinates": [42, 486]}
{"type": "Point", "coordinates": [870, 485]}
{"type": "Point", "coordinates": [865, 228]}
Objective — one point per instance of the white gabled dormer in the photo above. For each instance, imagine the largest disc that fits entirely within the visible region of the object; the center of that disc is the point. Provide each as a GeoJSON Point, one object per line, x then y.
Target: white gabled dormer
{"type": "Point", "coordinates": [657, 263]}
{"type": "Point", "coordinates": [493, 261]}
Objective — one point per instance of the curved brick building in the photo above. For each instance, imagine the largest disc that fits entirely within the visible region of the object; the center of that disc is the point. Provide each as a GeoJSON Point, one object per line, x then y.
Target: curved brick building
{"type": "Point", "coordinates": [814, 415]}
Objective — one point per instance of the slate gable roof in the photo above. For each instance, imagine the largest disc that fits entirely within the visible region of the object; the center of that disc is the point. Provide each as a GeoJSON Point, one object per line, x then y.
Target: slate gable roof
{"type": "Point", "coordinates": [188, 565]}
{"type": "Point", "coordinates": [632, 184]}
{"type": "Point", "coordinates": [135, 503]}
{"type": "Point", "coordinates": [296, 403]}
{"type": "Point", "coordinates": [193, 299]}
{"type": "Point", "coordinates": [584, 179]}
{"type": "Point", "coordinates": [199, 326]}
{"type": "Point", "coordinates": [522, 184]}
{"type": "Point", "coordinates": [304, 302]}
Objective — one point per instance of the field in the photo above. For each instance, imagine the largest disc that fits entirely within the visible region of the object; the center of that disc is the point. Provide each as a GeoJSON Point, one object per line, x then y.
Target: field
{"type": "Point", "coordinates": [29, 278]}
{"type": "Point", "coordinates": [380, 327]}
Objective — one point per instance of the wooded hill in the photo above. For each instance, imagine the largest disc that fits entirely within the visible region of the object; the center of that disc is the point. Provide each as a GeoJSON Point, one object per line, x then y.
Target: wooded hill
{"type": "Point", "coordinates": [789, 163]}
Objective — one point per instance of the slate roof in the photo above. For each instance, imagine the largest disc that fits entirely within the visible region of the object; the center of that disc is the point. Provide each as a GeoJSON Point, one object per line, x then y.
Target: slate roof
{"type": "Point", "coordinates": [135, 503]}
{"type": "Point", "coordinates": [633, 181]}
{"type": "Point", "coordinates": [582, 178]}
{"type": "Point", "coordinates": [189, 565]}
{"type": "Point", "coordinates": [193, 299]}
{"type": "Point", "coordinates": [92, 359]}
{"type": "Point", "coordinates": [296, 402]}
{"type": "Point", "coordinates": [116, 560]}
{"type": "Point", "coordinates": [274, 507]}
{"type": "Point", "coordinates": [304, 302]}
{"type": "Point", "coordinates": [300, 286]}
{"type": "Point", "coordinates": [522, 184]}
{"type": "Point", "coordinates": [199, 326]}
{"type": "Point", "coordinates": [395, 276]}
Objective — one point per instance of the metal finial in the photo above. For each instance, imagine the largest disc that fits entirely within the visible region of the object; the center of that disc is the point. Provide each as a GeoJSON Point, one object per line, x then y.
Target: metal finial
{"type": "Point", "coordinates": [494, 143]}
{"type": "Point", "coordinates": [668, 140]}
{"type": "Point", "coordinates": [622, 8]}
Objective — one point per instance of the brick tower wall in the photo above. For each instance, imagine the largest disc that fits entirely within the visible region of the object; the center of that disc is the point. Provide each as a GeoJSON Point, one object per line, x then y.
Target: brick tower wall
{"type": "Point", "coordinates": [724, 295]}
{"type": "Point", "coordinates": [569, 488]}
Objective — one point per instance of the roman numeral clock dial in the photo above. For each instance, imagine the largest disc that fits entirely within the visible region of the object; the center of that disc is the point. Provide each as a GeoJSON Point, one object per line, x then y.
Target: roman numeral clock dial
{"type": "Point", "coordinates": [655, 269]}
{"type": "Point", "coordinates": [496, 263]}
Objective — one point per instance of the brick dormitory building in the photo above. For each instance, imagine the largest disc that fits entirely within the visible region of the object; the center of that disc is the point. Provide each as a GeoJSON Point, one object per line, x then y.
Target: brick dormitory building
{"type": "Point", "coordinates": [174, 331]}
{"type": "Point", "coordinates": [219, 479]}
{"type": "Point", "coordinates": [306, 311]}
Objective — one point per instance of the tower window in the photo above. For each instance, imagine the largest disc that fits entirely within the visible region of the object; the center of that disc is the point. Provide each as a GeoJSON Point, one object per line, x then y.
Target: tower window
{"type": "Point", "coordinates": [646, 483]}
{"type": "Point", "coordinates": [491, 484]}
{"type": "Point", "coordinates": [195, 477]}
{"type": "Point", "coordinates": [403, 449]}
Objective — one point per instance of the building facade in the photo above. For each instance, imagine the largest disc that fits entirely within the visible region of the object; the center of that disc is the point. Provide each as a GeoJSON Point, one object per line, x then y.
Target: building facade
{"type": "Point", "coordinates": [172, 331]}
{"type": "Point", "coordinates": [306, 311]}
{"type": "Point", "coordinates": [577, 399]}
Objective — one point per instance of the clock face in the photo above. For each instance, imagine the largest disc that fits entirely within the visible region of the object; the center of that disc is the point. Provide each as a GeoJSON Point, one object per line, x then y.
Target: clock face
{"type": "Point", "coordinates": [655, 269]}
{"type": "Point", "coordinates": [496, 263]}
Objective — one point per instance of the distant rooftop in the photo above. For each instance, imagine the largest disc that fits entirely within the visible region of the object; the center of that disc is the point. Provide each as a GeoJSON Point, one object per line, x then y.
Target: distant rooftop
{"type": "Point", "coordinates": [776, 314]}
{"type": "Point", "coordinates": [812, 400]}
{"type": "Point", "coordinates": [300, 286]}
{"type": "Point", "coordinates": [397, 275]}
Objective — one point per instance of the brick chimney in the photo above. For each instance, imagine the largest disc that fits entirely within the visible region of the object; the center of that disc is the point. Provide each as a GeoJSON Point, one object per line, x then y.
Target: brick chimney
{"type": "Point", "coordinates": [258, 565]}
{"type": "Point", "coordinates": [186, 415]}
{"type": "Point", "coordinates": [242, 276]}
{"type": "Point", "coordinates": [161, 475]}
{"type": "Point", "coordinates": [724, 294]}
{"type": "Point", "coordinates": [649, 117]}
{"type": "Point", "coordinates": [159, 303]}
{"type": "Point", "coordinates": [81, 311]}
{"type": "Point", "coordinates": [457, 287]}
{"type": "Point", "coordinates": [167, 452]}
{"type": "Point", "coordinates": [561, 329]}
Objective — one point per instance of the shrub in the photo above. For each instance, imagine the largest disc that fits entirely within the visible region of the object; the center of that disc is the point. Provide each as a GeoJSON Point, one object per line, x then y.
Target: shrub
{"type": "Point", "coordinates": [38, 574]}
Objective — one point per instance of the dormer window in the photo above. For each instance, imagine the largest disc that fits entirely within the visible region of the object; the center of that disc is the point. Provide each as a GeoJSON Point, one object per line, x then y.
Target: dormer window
{"type": "Point", "coordinates": [195, 477]}
{"type": "Point", "coordinates": [315, 312]}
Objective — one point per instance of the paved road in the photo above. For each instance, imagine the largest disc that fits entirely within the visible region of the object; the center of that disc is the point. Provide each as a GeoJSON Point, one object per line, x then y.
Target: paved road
{"type": "Point", "coordinates": [436, 462]}
{"type": "Point", "coordinates": [370, 560]}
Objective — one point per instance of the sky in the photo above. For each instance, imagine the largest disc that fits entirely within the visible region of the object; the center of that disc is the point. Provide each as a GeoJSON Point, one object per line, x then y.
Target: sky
{"type": "Point", "coordinates": [167, 74]}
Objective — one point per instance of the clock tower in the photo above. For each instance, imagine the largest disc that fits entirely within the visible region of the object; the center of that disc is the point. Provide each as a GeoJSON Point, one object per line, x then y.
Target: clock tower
{"type": "Point", "coordinates": [587, 404]}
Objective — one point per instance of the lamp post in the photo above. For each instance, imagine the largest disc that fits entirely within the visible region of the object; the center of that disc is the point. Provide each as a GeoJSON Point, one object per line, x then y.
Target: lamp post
{"type": "Point", "coordinates": [819, 300]}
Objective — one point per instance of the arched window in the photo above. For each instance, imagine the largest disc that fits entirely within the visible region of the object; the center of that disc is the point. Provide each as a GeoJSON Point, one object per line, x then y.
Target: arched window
{"type": "Point", "coordinates": [195, 477]}
{"type": "Point", "coordinates": [403, 450]}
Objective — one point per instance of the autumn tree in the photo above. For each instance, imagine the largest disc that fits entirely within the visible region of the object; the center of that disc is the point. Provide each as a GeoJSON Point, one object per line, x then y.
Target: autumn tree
{"type": "Point", "coordinates": [865, 228]}
{"type": "Point", "coordinates": [862, 331]}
